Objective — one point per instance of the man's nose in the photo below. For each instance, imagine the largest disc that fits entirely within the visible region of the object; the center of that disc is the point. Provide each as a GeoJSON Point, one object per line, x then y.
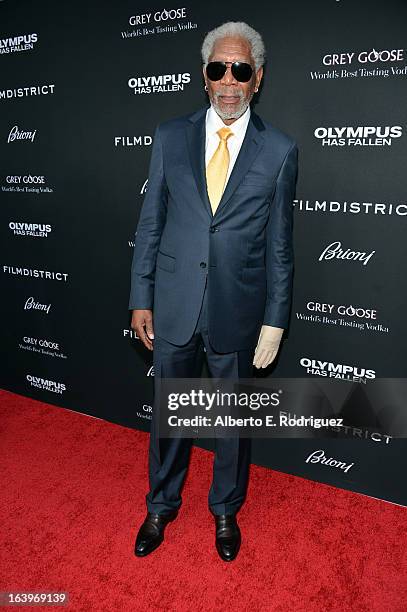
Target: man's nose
{"type": "Point", "coordinates": [228, 78]}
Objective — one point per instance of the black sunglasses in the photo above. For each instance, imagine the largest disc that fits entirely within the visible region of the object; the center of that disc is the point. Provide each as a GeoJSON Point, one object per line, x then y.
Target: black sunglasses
{"type": "Point", "coordinates": [240, 70]}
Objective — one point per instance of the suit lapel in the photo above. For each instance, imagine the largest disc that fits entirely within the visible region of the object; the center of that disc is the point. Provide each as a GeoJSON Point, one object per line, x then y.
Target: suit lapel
{"type": "Point", "coordinates": [196, 136]}
{"type": "Point", "coordinates": [251, 146]}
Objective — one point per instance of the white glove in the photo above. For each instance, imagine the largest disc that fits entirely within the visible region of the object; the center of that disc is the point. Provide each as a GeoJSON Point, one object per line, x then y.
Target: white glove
{"type": "Point", "coordinates": [267, 345]}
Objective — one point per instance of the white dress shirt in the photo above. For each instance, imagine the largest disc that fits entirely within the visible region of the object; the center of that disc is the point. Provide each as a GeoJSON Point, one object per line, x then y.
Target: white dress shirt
{"type": "Point", "coordinates": [234, 142]}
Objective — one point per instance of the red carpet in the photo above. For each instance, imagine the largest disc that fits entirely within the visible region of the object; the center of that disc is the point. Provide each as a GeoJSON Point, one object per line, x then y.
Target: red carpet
{"type": "Point", "coordinates": [73, 498]}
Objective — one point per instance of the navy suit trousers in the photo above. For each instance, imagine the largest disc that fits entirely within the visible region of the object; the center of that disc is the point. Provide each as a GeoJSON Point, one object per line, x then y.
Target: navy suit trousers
{"type": "Point", "coordinates": [169, 457]}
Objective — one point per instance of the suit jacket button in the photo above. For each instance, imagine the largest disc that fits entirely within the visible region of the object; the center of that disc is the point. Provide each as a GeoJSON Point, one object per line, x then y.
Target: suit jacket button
{"type": "Point", "coordinates": [202, 264]}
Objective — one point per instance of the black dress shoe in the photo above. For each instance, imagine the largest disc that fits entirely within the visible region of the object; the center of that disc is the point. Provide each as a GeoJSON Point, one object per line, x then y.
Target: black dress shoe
{"type": "Point", "coordinates": [228, 536]}
{"type": "Point", "coordinates": [151, 532]}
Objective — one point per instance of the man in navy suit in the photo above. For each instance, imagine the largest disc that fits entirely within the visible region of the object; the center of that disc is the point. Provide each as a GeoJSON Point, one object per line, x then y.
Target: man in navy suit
{"type": "Point", "coordinates": [212, 265]}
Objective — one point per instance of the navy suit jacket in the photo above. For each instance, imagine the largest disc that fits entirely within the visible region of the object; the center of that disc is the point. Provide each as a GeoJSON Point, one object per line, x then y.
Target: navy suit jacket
{"type": "Point", "coordinates": [244, 250]}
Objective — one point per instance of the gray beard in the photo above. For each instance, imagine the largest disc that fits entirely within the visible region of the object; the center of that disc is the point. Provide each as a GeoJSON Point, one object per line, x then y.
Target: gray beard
{"type": "Point", "coordinates": [235, 114]}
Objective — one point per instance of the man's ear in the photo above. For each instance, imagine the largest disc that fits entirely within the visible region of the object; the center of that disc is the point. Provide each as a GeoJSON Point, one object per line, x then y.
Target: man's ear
{"type": "Point", "coordinates": [204, 73]}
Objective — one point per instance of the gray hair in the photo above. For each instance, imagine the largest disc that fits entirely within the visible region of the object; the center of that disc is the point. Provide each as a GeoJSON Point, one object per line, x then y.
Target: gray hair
{"type": "Point", "coordinates": [235, 28]}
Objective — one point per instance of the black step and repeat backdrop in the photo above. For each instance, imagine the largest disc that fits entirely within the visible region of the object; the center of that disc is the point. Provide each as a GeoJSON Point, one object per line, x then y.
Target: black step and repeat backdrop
{"type": "Point", "coordinates": [83, 86]}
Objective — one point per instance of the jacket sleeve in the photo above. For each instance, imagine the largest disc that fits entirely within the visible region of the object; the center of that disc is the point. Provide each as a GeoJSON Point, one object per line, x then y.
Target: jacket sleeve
{"type": "Point", "coordinates": [148, 232]}
{"type": "Point", "coordinates": [279, 247]}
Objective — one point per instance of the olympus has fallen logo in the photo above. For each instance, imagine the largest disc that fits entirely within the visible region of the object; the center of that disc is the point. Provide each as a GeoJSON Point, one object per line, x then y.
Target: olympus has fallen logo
{"type": "Point", "coordinates": [16, 135]}
{"type": "Point", "coordinates": [341, 371]}
{"type": "Point", "coordinates": [335, 251]}
{"type": "Point", "coordinates": [382, 63]}
{"type": "Point", "coordinates": [37, 230]}
{"type": "Point", "coordinates": [132, 141]}
{"type": "Point", "coordinates": [162, 83]}
{"type": "Point", "coordinates": [45, 384]}
{"type": "Point", "coordinates": [359, 136]}
{"type": "Point", "coordinates": [342, 315]}
{"type": "Point", "coordinates": [344, 207]}
{"type": "Point", "coordinates": [171, 20]}
{"type": "Point", "coordinates": [42, 346]}
{"type": "Point", "coordinates": [13, 44]}
{"type": "Point", "coordinates": [32, 304]}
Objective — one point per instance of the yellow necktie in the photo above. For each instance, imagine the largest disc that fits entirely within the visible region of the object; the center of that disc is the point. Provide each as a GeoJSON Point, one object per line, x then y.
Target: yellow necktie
{"type": "Point", "coordinates": [217, 169]}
